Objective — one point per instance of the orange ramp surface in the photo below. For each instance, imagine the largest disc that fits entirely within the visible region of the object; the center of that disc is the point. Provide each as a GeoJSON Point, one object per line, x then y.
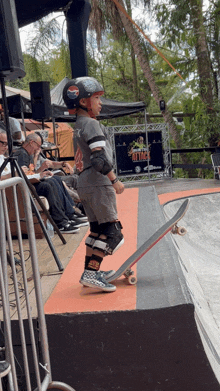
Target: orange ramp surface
{"type": "Point", "coordinates": [70, 296]}
{"type": "Point", "coordinates": [163, 198]}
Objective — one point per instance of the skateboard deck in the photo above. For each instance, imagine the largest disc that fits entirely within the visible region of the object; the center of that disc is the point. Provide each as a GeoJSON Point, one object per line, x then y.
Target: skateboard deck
{"type": "Point", "coordinates": [170, 225]}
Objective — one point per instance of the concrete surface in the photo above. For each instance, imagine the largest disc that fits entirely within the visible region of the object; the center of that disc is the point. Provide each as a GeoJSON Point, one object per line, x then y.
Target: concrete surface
{"type": "Point", "coordinates": [199, 256]}
{"type": "Point", "coordinates": [160, 279]}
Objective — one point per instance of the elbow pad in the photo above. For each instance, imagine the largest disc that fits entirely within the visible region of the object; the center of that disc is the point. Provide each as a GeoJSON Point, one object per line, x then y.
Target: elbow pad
{"type": "Point", "coordinates": [100, 162]}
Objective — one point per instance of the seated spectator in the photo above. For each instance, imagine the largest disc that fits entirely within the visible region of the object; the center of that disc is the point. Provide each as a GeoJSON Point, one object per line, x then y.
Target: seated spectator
{"type": "Point", "coordinates": [6, 173]}
{"type": "Point", "coordinates": [70, 180]}
{"type": "Point", "coordinates": [60, 206]}
{"type": "Point", "coordinates": [15, 128]}
{"type": "Point", "coordinates": [16, 132]}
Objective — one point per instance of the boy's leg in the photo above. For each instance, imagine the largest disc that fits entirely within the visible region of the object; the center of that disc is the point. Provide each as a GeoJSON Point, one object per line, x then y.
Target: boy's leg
{"type": "Point", "coordinates": [110, 239]}
{"type": "Point", "coordinates": [100, 205]}
{"type": "Point", "coordinates": [92, 276]}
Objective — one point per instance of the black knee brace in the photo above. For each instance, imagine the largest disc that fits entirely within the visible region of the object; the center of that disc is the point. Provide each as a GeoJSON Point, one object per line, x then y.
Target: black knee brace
{"type": "Point", "coordinates": [114, 238]}
{"type": "Point", "coordinates": [94, 228]}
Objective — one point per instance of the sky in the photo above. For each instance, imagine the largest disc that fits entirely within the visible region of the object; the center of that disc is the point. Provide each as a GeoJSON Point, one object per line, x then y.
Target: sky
{"type": "Point", "coordinates": [151, 30]}
{"type": "Point", "coordinates": [26, 32]}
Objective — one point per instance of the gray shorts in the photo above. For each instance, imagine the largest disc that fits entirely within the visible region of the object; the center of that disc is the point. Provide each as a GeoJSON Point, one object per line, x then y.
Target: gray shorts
{"type": "Point", "coordinates": [99, 203]}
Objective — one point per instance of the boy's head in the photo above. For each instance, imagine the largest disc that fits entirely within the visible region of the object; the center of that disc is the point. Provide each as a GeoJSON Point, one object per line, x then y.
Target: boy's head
{"type": "Point", "coordinates": [84, 93]}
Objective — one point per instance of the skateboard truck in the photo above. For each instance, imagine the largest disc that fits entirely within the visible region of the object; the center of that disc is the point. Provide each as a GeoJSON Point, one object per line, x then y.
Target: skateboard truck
{"type": "Point", "coordinates": [129, 275]}
{"type": "Point", "coordinates": [178, 230]}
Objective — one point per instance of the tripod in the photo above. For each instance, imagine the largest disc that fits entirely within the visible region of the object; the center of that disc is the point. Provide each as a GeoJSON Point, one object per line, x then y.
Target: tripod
{"type": "Point", "coordinates": [15, 168]}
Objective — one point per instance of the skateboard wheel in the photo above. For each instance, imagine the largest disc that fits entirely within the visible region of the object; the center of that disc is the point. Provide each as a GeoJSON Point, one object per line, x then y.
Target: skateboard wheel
{"type": "Point", "coordinates": [181, 231]}
{"type": "Point", "coordinates": [132, 280]}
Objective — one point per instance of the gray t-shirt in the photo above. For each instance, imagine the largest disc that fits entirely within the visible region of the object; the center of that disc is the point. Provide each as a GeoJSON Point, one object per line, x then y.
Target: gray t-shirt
{"type": "Point", "coordinates": [89, 134]}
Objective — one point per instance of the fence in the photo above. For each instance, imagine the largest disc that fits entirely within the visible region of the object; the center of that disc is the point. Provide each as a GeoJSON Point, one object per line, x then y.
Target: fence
{"type": "Point", "coordinates": [15, 302]}
{"type": "Point", "coordinates": [191, 150]}
{"type": "Point", "coordinates": [169, 166]}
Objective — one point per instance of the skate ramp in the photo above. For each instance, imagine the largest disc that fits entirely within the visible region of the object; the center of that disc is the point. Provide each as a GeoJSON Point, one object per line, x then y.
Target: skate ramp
{"type": "Point", "coordinates": [152, 321]}
{"type": "Point", "coordinates": [199, 257]}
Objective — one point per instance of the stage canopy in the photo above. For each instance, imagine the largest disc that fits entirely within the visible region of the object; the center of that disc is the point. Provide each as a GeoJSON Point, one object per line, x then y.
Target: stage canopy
{"type": "Point", "coordinates": [34, 10]}
{"type": "Point", "coordinates": [110, 108]}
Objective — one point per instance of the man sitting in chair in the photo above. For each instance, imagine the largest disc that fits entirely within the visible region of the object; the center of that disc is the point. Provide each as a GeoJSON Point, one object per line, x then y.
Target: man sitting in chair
{"type": "Point", "coordinates": [44, 187]}
{"type": "Point", "coordinates": [6, 173]}
{"type": "Point", "coordinates": [49, 186]}
{"type": "Point", "coordinates": [15, 128]}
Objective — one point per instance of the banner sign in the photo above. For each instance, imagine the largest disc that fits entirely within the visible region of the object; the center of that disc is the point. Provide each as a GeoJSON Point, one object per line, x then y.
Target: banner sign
{"type": "Point", "coordinates": [134, 157]}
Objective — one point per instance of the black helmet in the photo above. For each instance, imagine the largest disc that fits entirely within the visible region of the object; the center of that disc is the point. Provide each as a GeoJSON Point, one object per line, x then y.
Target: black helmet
{"type": "Point", "coordinates": [81, 87]}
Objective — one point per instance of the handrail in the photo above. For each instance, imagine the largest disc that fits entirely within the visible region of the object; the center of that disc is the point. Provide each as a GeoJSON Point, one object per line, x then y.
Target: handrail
{"type": "Point", "coordinates": [190, 166]}
{"type": "Point", "coordinates": [38, 358]}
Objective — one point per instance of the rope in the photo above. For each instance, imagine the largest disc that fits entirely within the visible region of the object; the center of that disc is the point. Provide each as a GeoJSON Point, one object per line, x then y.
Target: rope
{"type": "Point", "coordinates": [118, 5]}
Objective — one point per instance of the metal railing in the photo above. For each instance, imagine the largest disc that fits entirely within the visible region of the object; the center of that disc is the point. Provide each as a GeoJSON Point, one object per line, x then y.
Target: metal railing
{"type": "Point", "coordinates": [10, 288]}
{"type": "Point", "coordinates": [191, 151]}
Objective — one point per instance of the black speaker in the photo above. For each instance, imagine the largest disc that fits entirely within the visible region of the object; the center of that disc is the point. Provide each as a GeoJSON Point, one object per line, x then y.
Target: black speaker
{"type": "Point", "coordinates": [14, 105]}
{"type": "Point", "coordinates": [11, 60]}
{"type": "Point", "coordinates": [40, 100]}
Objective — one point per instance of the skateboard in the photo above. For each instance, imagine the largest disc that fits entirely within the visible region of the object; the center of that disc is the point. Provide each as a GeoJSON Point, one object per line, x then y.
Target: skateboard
{"type": "Point", "coordinates": [169, 226]}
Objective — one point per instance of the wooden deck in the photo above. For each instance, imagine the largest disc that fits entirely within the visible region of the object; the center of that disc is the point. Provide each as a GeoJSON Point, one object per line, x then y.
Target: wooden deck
{"type": "Point", "coordinates": [49, 271]}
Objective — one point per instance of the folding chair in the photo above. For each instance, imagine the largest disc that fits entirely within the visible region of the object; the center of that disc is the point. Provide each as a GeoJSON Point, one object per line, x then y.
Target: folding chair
{"type": "Point", "coordinates": [215, 157]}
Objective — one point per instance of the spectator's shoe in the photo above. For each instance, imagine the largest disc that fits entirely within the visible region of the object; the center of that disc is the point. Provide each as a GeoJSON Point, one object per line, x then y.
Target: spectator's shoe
{"type": "Point", "coordinates": [68, 228]}
{"type": "Point", "coordinates": [107, 274]}
{"type": "Point", "coordinates": [94, 279]}
{"type": "Point", "coordinates": [5, 368]}
{"type": "Point", "coordinates": [78, 221]}
{"type": "Point", "coordinates": [80, 215]}
{"type": "Point", "coordinates": [80, 208]}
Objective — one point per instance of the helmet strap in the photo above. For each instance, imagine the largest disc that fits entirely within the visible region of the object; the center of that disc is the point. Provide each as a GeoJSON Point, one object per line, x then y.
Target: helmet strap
{"type": "Point", "coordinates": [83, 108]}
{"type": "Point", "coordinates": [72, 111]}
{"type": "Point", "coordinates": [88, 108]}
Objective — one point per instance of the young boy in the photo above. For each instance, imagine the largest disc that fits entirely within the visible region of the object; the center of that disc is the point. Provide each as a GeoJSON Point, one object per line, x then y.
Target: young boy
{"type": "Point", "coordinates": [97, 183]}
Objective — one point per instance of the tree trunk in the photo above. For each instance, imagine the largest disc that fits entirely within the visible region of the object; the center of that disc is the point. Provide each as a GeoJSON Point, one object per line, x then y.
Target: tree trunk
{"type": "Point", "coordinates": [207, 86]}
{"type": "Point", "coordinates": [143, 61]}
{"type": "Point", "coordinates": [134, 68]}
{"type": "Point", "coordinates": [134, 72]}
{"type": "Point", "coordinates": [202, 54]}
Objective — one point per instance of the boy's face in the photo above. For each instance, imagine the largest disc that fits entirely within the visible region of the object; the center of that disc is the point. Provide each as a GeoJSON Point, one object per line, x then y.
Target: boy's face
{"type": "Point", "coordinates": [95, 103]}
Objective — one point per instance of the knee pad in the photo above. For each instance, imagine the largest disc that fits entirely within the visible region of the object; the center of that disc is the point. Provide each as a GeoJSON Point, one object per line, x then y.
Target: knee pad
{"type": "Point", "coordinates": [90, 240]}
{"type": "Point", "coordinates": [95, 228]}
{"type": "Point", "coordinates": [114, 238]}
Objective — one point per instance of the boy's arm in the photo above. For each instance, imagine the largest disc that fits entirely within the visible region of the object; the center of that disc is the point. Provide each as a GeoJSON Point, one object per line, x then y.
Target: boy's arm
{"type": "Point", "coordinates": [118, 186]}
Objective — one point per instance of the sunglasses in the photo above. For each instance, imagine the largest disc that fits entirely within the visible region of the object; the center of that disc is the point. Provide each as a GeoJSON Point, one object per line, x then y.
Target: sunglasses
{"type": "Point", "coordinates": [4, 143]}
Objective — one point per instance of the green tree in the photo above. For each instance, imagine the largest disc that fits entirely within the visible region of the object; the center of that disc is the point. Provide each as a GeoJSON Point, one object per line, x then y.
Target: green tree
{"type": "Point", "coordinates": [60, 62]}
{"type": "Point", "coordinates": [115, 71]}
{"type": "Point", "coordinates": [186, 25]}
{"type": "Point", "coordinates": [108, 14]}
{"type": "Point", "coordinates": [35, 71]}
